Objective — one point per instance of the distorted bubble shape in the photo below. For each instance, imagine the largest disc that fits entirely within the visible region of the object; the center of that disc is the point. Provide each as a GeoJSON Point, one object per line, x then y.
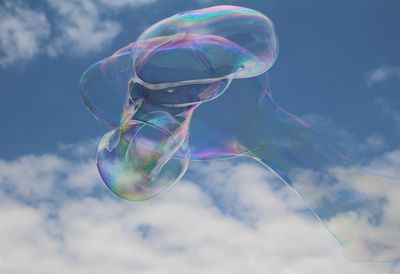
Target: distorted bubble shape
{"type": "Point", "coordinates": [194, 87]}
{"type": "Point", "coordinates": [245, 29]}
{"type": "Point", "coordinates": [143, 161]}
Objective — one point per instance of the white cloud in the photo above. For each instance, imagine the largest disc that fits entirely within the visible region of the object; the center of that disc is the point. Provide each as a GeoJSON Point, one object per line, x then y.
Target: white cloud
{"type": "Point", "coordinates": [186, 230]}
{"type": "Point", "coordinates": [346, 142]}
{"type": "Point", "coordinates": [36, 178]}
{"type": "Point", "coordinates": [31, 177]}
{"type": "Point", "coordinates": [387, 99]}
{"type": "Point", "coordinates": [83, 149]}
{"type": "Point", "coordinates": [381, 74]}
{"type": "Point", "coordinates": [86, 26]}
{"type": "Point", "coordinates": [125, 3]}
{"type": "Point", "coordinates": [359, 204]}
{"type": "Point", "coordinates": [81, 29]}
{"type": "Point", "coordinates": [23, 33]}
{"type": "Point", "coordinates": [390, 110]}
{"type": "Point", "coordinates": [75, 27]}
{"type": "Point", "coordinates": [373, 142]}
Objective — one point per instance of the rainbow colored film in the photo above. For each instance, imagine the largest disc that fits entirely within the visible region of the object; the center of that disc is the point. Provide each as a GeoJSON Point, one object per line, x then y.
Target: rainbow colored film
{"type": "Point", "coordinates": [194, 87]}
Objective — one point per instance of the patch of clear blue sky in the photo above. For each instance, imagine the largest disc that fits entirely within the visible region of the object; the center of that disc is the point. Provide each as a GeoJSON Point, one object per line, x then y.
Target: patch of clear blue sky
{"type": "Point", "coordinates": [326, 47]}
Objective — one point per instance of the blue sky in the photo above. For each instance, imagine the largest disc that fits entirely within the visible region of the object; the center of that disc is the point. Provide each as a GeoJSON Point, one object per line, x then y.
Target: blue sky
{"type": "Point", "coordinates": [338, 68]}
{"type": "Point", "coordinates": [326, 51]}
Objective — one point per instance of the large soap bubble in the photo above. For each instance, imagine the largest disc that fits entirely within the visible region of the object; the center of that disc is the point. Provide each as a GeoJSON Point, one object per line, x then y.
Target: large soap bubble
{"type": "Point", "coordinates": [194, 87]}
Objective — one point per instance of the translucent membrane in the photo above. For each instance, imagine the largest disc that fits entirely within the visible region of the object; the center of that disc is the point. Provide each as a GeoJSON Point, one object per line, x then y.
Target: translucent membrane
{"type": "Point", "coordinates": [104, 86]}
{"type": "Point", "coordinates": [193, 87]}
{"type": "Point", "coordinates": [137, 162]}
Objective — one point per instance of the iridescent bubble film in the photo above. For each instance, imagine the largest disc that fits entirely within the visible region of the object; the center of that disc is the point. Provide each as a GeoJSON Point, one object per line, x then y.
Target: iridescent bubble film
{"type": "Point", "coordinates": [194, 87]}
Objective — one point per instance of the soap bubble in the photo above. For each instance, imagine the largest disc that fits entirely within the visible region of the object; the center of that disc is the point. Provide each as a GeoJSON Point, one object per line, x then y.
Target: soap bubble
{"type": "Point", "coordinates": [194, 87]}
{"type": "Point", "coordinates": [148, 91]}
{"type": "Point", "coordinates": [141, 160]}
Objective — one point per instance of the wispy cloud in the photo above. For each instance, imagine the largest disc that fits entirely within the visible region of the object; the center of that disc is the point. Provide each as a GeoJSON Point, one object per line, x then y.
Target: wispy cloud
{"type": "Point", "coordinates": [77, 27]}
{"type": "Point", "coordinates": [23, 33]}
{"type": "Point", "coordinates": [80, 29]}
{"type": "Point", "coordinates": [125, 3]}
{"type": "Point", "coordinates": [346, 142]}
{"type": "Point", "coordinates": [186, 230]}
{"type": "Point", "coordinates": [381, 74]}
{"type": "Point", "coordinates": [390, 110]}
{"type": "Point", "coordinates": [359, 204]}
{"type": "Point", "coordinates": [83, 149]}
{"type": "Point", "coordinates": [387, 98]}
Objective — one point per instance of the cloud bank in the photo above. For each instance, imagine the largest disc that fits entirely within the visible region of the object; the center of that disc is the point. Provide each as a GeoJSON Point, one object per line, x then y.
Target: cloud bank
{"type": "Point", "coordinates": [57, 217]}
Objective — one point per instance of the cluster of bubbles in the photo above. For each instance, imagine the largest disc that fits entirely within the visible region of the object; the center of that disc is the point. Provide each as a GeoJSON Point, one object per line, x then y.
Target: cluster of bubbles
{"type": "Point", "coordinates": [194, 87]}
